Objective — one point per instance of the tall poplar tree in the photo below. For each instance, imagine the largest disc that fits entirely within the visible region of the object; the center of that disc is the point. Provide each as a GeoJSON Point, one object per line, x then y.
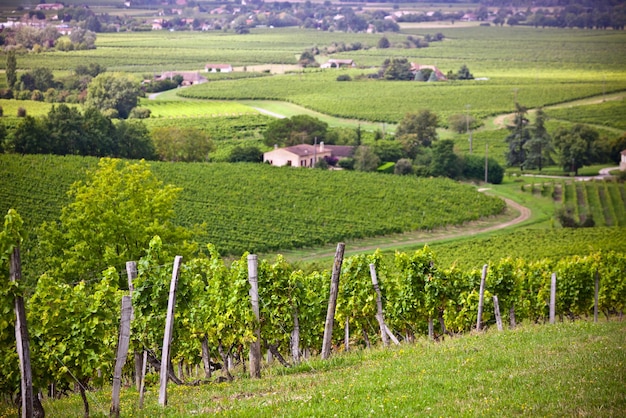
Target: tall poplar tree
{"type": "Point", "coordinates": [11, 69]}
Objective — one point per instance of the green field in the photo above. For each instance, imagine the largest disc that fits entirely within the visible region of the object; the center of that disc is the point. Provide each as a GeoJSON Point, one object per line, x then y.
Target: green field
{"type": "Point", "coordinates": [254, 207]}
{"type": "Point", "coordinates": [567, 369]}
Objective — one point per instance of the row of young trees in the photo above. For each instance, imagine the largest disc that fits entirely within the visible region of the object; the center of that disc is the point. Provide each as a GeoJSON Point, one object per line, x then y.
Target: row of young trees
{"type": "Point", "coordinates": [532, 147]}
{"type": "Point", "coordinates": [121, 212]}
{"type": "Point", "coordinates": [65, 130]}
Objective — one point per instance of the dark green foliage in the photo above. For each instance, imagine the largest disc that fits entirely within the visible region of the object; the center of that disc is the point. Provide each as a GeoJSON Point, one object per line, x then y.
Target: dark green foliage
{"type": "Point", "coordinates": [397, 69]}
{"type": "Point", "coordinates": [11, 69]}
{"type": "Point", "coordinates": [65, 131]}
{"type": "Point", "coordinates": [464, 73]}
{"type": "Point", "coordinates": [474, 169]}
{"type": "Point", "coordinates": [344, 77]}
{"type": "Point", "coordinates": [389, 150]}
{"type": "Point", "coordinates": [519, 135]}
{"type": "Point", "coordinates": [140, 113]}
{"type": "Point", "coordinates": [247, 154]}
{"type": "Point", "coordinates": [420, 129]}
{"type": "Point", "coordinates": [403, 167]}
{"type": "Point", "coordinates": [445, 163]}
{"type": "Point", "coordinates": [539, 147]}
{"type": "Point", "coordinates": [578, 146]}
{"type": "Point", "coordinates": [299, 129]}
{"type": "Point", "coordinates": [307, 59]}
{"type": "Point", "coordinates": [384, 43]}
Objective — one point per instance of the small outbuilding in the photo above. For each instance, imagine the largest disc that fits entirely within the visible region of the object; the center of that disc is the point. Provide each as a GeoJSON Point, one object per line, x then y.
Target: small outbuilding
{"type": "Point", "coordinates": [622, 163]}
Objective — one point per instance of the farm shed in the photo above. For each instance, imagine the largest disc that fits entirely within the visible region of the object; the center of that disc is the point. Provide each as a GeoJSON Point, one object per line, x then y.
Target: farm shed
{"type": "Point", "coordinates": [416, 67]}
{"type": "Point", "coordinates": [306, 155]}
{"type": "Point", "coordinates": [335, 63]}
{"type": "Point", "coordinates": [189, 77]}
{"type": "Point", "coordinates": [218, 68]}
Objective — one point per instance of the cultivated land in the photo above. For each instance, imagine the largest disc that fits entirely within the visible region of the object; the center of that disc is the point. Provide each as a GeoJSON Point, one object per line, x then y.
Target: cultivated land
{"type": "Point", "coordinates": [561, 370]}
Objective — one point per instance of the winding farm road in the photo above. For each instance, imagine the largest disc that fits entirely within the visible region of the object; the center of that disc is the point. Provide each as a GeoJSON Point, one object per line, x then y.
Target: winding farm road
{"type": "Point", "coordinates": [421, 237]}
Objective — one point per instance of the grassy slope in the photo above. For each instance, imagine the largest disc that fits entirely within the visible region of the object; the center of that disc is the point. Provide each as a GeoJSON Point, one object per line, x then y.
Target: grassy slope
{"type": "Point", "coordinates": [565, 369]}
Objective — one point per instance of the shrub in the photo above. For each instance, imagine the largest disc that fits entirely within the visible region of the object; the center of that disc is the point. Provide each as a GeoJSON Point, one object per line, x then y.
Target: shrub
{"type": "Point", "coordinates": [1, 111]}
{"type": "Point", "coordinates": [6, 94]}
{"type": "Point", "coordinates": [139, 113]}
{"type": "Point", "coordinates": [344, 77]}
{"type": "Point", "coordinates": [21, 112]}
{"type": "Point", "coordinates": [346, 163]}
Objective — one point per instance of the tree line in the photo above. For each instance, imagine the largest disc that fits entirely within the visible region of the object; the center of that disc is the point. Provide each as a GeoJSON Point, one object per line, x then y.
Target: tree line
{"type": "Point", "coordinates": [530, 146]}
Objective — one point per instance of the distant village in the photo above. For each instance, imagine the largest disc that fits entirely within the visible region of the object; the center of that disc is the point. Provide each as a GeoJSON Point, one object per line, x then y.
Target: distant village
{"type": "Point", "coordinates": [247, 14]}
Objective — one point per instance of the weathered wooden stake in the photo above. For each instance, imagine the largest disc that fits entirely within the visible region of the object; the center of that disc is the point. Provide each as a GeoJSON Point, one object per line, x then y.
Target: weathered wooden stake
{"type": "Point", "coordinates": [346, 335]}
{"type": "Point", "coordinates": [255, 347]}
{"type": "Point", "coordinates": [21, 338]}
{"type": "Point", "coordinates": [122, 351]}
{"type": "Point", "coordinates": [332, 301]}
{"type": "Point", "coordinates": [206, 358]}
{"type": "Point", "coordinates": [131, 273]}
{"type": "Point", "coordinates": [496, 309]}
{"type": "Point", "coordinates": [379, 306]}
{"type": "Point", "coordinates": [512, 317]}
{"type": "Point", "coordinates": [481, 298]}
{"type": "Point", "coordinates": [295, 337]}
{"type": "Point", "coordinates": [552, 298]}
{"type": "Point", "coordinates": [431, 328]}
{"type": "Point", "coordinates": [391, 336]}
{"type": "Point", "coordinates": [169, 329]}
{"type": "Point", "coordinates": [595, 303]}
{"type": "Point", "coordinates": [142, 384]}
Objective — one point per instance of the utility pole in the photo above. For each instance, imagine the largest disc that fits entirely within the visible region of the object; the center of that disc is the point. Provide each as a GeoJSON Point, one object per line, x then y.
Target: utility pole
{"type": "Point", "coordinates": [467, 127]}
{"type": "Point", "coordinates": [486, 162]}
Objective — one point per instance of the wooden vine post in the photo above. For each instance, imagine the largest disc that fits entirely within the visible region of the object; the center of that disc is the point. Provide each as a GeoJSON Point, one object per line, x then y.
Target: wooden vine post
{"type": "Point", "coordinates": [131, 273]}
{"type": "Point", "coordinates": [332, 301]}
{"type": "Point", "coordinates": [379, 306]}
{"type": "Point", "coordinates": [122, 352]}
{"type": "Point", "coordinates": [496, 308]}
{"type": "Point", "coordinates": [552, 298]}
{"type": "Point", "coordinates": [595, 298]}
{"type": "Point", "coordinates": [22, 339]}
{"type": "Point", "coordinates": [481, 298]}
{"type": "Point", "coordinates": [167, 336]}
{"type": "Point", "coordinates": [255, 346]}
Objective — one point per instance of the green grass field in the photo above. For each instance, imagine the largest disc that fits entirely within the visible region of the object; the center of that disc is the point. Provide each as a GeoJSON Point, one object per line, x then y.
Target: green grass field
{"type": "Point", "coordinates": [566, 369]}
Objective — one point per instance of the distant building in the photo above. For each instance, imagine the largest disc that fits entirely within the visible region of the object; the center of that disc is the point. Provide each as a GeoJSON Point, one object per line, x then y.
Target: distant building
{"type": "Point", "coordinates": [622, 163]}
{"type": "Point", "coordinates": [416, 67]}
{"type": "Point", "coordinates": [218, 68]}
{"type": "Point", "coordinates": [335, 63]}
{"type": "Point", "coordinates": [50, 6]}
{"type": "Point", "coordinates": [306, 155]}
{"type": "Point", "coordinates": [189, 77]}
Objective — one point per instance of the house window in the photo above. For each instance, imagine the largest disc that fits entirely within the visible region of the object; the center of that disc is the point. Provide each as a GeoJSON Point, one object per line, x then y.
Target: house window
{"type": "Point", "coordinates": [289, 163]}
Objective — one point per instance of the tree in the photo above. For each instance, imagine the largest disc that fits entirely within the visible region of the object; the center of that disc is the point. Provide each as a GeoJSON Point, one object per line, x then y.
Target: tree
{"type": "Point", "coordinates": [248, 154]}
{"type": "Point", "coordinates": [577, 146]}
{"type": "Point", "coordinates": [383, 43]}
{"type": "Point", "coordinates": [445, 163]}
{"type": "Point", "coordinates": [64, 126]}
{"type": "Point", "coordinates": [39, 78]}
{"type": "Point", "coordinates": [112, 216]}
{"type": "Point", "coordinates": [182, 144]}
{"type": "Point", "coordinates": [11, 69]}
{"type": "Point", "coordinates": [461, 123]}
{"type": "Point", "coordinates": [403, 167]}
{"type": "Point", "coordinates": [419, 128]}
{"type": "Point", "coordinates": [539, 147]}
{"type": "Point", "coordinates": [299, 129]}
{"type": "Point", "coordinates": [30, 137]}
{"type": "Point", "coordinates": [307, 59]}
{"type": "Point", "coordinates": [398, 69]}
{"type": "Point", "coordinates": [464, 73]}
{"type": "Point", "coordinates": [113, 91]}
{"type": "Point", "coordinates": [365, 159]}
{"type": "Point", "coordinates": [474, 169]}
{"type": "Point", "coordinates": [520, 134]}
{"type": "Point", "coordinates": [133, 140]}
{"type": "Point", "coordinates": [388, 150]}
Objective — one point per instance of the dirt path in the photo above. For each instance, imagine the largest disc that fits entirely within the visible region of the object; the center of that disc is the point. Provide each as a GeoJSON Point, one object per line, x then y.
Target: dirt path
{"type": "Point", "coordinates": [472, 228]}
